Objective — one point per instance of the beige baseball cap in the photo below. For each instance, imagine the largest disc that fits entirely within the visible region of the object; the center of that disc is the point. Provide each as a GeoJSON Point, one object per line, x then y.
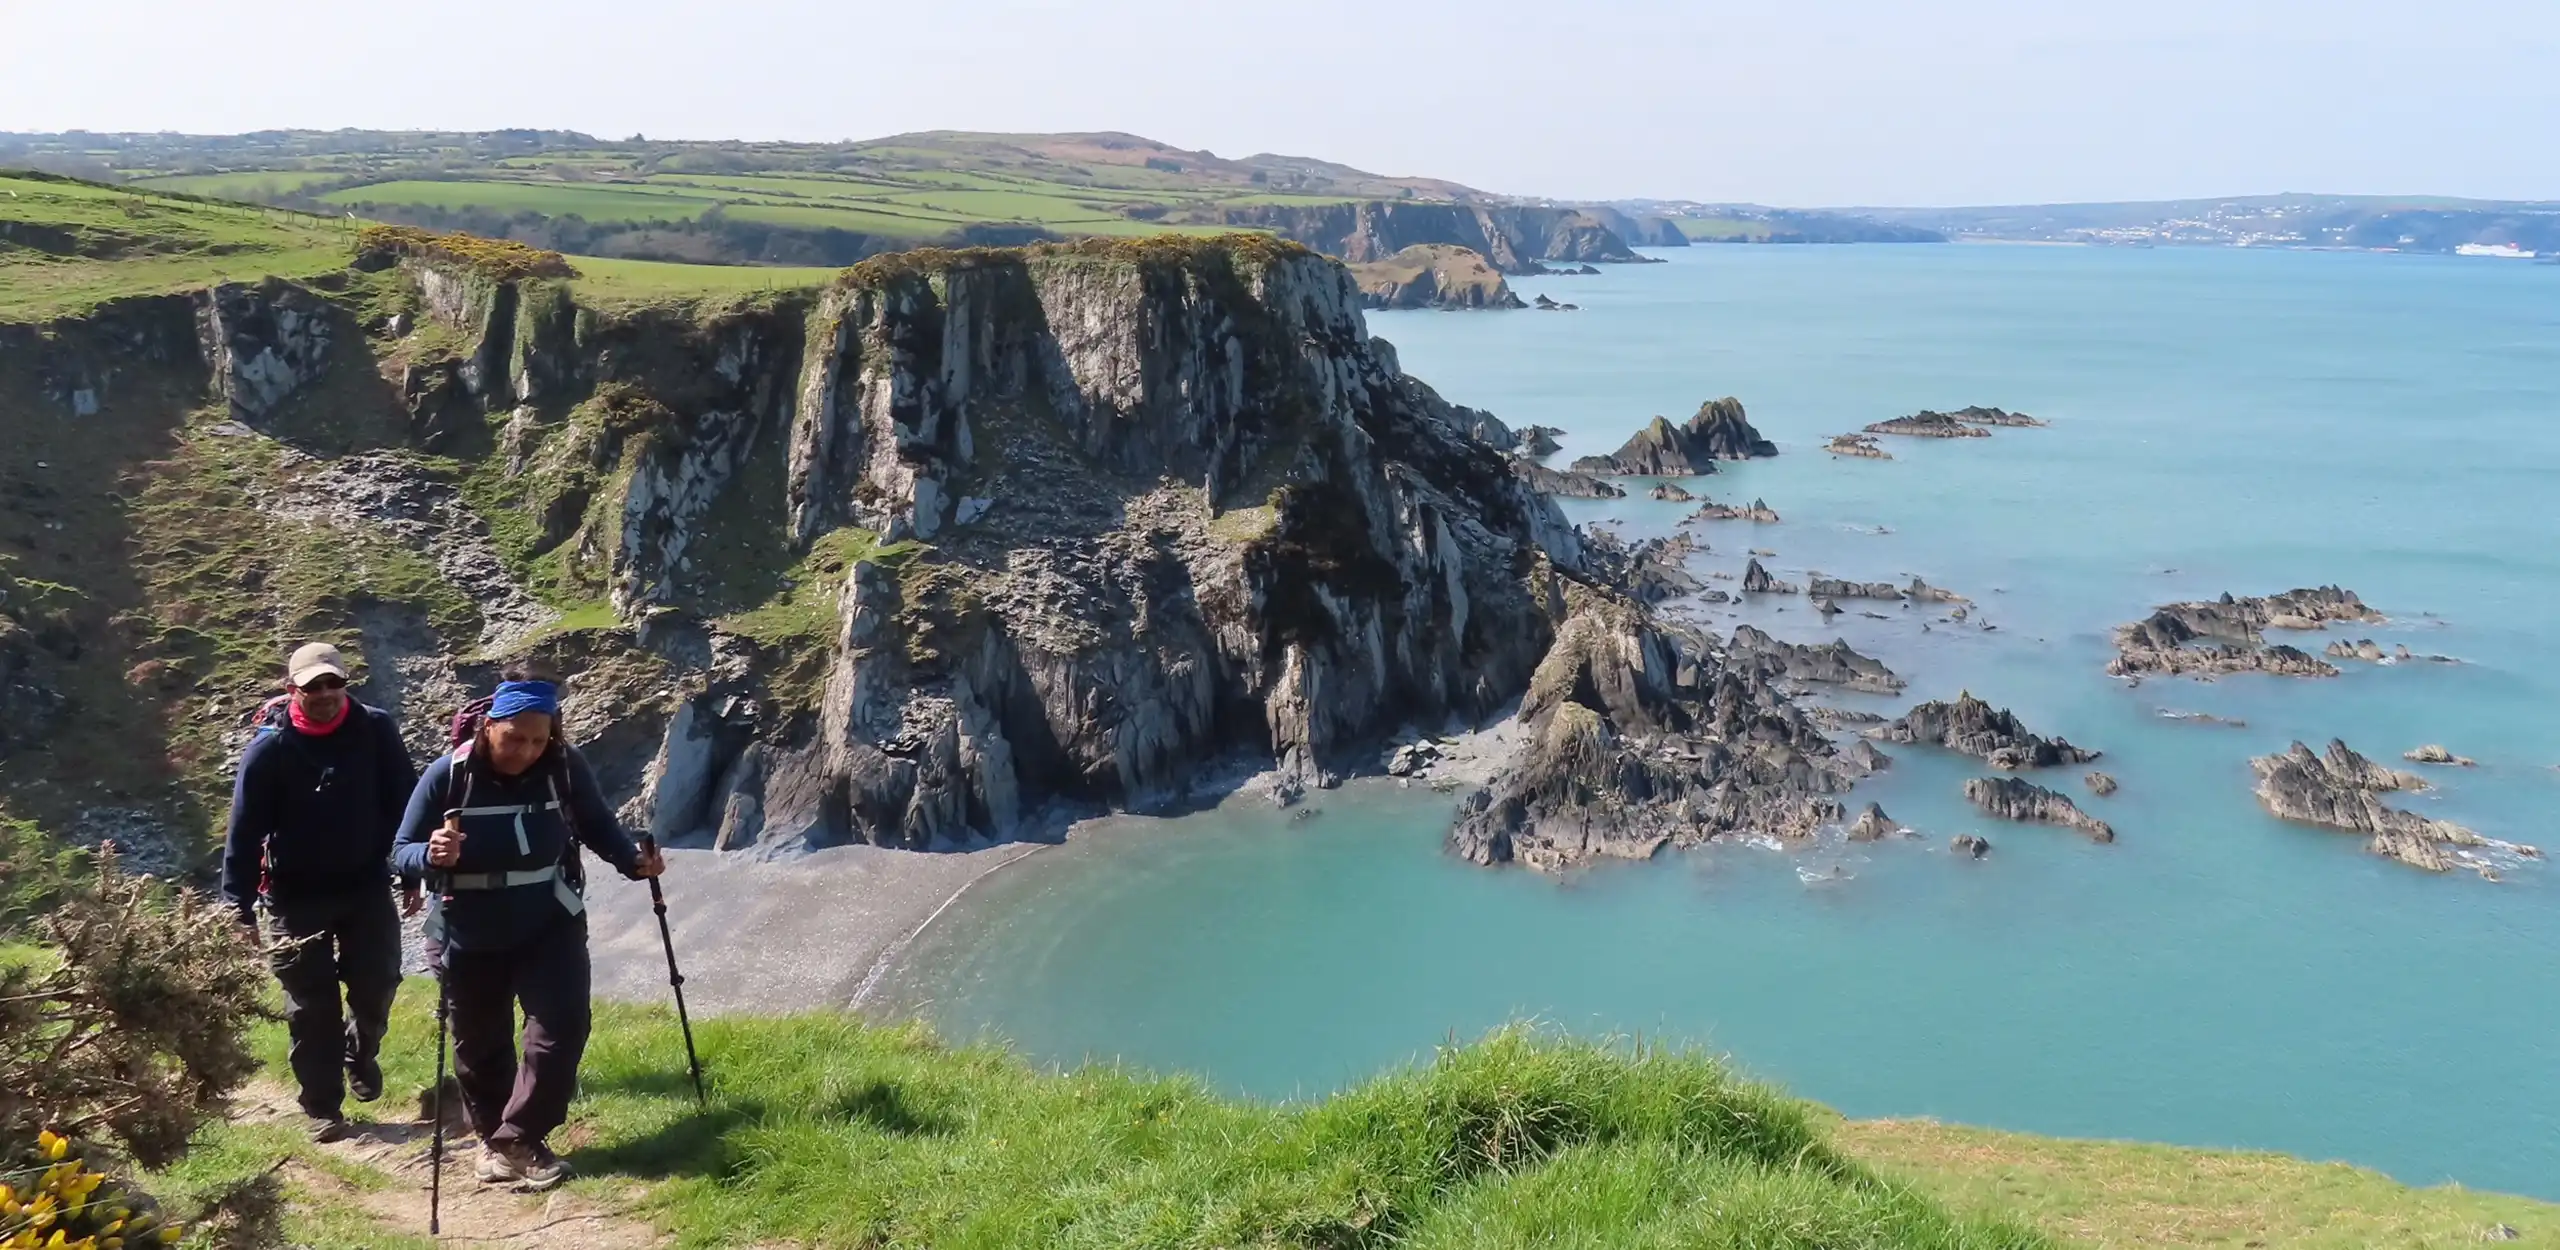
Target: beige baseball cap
{"type": "Point", "coordinates": [314, 659]}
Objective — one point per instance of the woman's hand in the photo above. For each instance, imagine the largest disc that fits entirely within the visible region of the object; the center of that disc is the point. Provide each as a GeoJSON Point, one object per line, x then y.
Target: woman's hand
{"type": "Point", "coordinates": [653, 862]}
{"type": "Point", "coordinates": [444, 846]}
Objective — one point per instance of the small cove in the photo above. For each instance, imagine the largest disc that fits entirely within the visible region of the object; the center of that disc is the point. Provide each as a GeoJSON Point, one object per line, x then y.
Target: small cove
{"type": "Point", "coordinates": [2223, 420]}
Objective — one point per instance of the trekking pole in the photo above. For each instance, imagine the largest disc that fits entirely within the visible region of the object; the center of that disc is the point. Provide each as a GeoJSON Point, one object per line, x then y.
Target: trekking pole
{"type": "Point", "coordinates": [675, 979]}
{"type": "Point", "coordinates": [435, 1153]}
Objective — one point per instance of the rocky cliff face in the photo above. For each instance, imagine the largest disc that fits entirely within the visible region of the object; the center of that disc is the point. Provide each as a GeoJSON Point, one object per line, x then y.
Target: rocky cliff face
{"type": "Point", "coordinates": [1178, 510]}
{"type": "Point", "coordinates": [903, 562]}
{"type": "Point", "coordinates": [1513, 238]}
{"type": "Point", "coordinates": [1433, 275]}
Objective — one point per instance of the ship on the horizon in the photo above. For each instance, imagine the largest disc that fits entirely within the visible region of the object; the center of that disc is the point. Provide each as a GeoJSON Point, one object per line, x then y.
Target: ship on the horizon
{"type": "Point", "coordinates": [2505, 251]}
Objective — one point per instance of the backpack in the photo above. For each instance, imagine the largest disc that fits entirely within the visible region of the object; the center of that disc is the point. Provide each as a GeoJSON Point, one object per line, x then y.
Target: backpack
{"type": "Point", "coordinates": [464, 731]}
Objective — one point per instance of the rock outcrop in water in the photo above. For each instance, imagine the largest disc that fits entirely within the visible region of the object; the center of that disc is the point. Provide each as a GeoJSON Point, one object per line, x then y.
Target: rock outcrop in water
{"type": "Point", "coordinates": [1872, 825]}
{"type": "Point", "coordinates": [1859, 446]}
{"type": "Point", "coordinates": [2015, 798]}
{"type": "Point", "coordinates": [1962, 423]}
{"type": "Point", "coordinates": [1759, 513]}
{"type": "Point", "coordinates": [1672, 492]}
{"type": "Point", "coordinates": [1539, 440]}
{"type": "Point", "coordinates": [2213, 637]}
{"type": "Point", "coordinates": [1832, 663]}
{"type": "Point", "coordinates": [1757, 581]}
{"type": "Point", "coordinates": [1836, 588]}
{"type": "Point", "coordinates": [2434, 754]}
{"type": "Point", "coordinates": [1972, 727]}
{"type": "Point", "coordinates": [1637, 738]}
{"type": "Point", "coordinates": [2339, 791]}
{"type": "Point", "coordinates": [1970, 845]}
{"type": "Point", "coordinates": [1719, 431]}
{"type": "Point", "coordinates": [1929, 425]}
{"type": "Point", "coordinates": [2101, 784]}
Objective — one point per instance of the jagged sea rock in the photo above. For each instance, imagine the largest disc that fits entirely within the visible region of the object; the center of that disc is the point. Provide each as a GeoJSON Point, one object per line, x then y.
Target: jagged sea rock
{"type": "Point", "coordinates": [1539, 440]}
{"type": "Point", "coordinates": [1650, 570]}
{"type": "Point", "coordinates": [1926, 424]}
{"type": "Point", "coordinates": [1976, 415]}
{"type": "Point", "coordinates": [1639, 738]}
{"type": "Point", "coordinates": [1835, 588]}
{"type": "Point", "coordinates": [1832, 663]}
{"type": "Point", "coordinates": [1970, 845]}
{"type": "Point", "coordinates": [1671, 492]}
{"type": "Point", "coordinates": [1922, 592]}
{"type": "Point", "coordinates": [2015, 798]}
{"type": "Point", "coordinates": [1826, 607]}
{"type": "Point", "coordinates": [2338, 791]}
{"type": "Point", "coordinates": [1873, 825]}
{"type": "Point", "coordinates": [1757, 581]}
{"type": "Point", "coordinates": [1547, 303]}
{"type": "Point", "coordinates": [1972, 727]}
{"type": "Point", "coordinates": [1564, 483]}
{"type": "Point", "coordinates": [2212, 637]}
{"type": "Point", "coordinates": [1759, 512]}
{"type": "Point", "coordinates": [2364, 649]}
{"type": "Point", "coordinates": [1718, 431]}
{"type": "Point", "coordinates": [2435, 754]}
{"type": "Point", "coordinates": [1860, 446]}
{"type": "Point", "coordinates": [2101, 784]}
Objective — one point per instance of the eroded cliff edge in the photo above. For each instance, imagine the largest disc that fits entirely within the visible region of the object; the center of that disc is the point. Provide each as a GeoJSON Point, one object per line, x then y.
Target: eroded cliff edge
{"type": "Point", "coordinates": [901, 561]}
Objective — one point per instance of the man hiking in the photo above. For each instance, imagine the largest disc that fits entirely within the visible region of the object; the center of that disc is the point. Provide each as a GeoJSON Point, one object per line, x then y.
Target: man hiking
{"type": "Point", "coordinates": [494, 826]}
{"type": "Point", "coordinates": [319, 795]}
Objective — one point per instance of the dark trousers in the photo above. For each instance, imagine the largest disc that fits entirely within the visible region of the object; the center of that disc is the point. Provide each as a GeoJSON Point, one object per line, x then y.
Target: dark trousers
{"type": "Point", "coordinates": [318, 945]}
{"type": "Point", "coordinates": [549, 976]}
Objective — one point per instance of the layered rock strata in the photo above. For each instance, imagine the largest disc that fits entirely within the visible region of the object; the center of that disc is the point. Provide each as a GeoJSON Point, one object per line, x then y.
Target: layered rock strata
{"type": "Point", "coordinates": [2015, 798]}
{"type": "Point", "coordinates": [1972, 727]}
{"type": "Point", "coordinates": [2340, 790]}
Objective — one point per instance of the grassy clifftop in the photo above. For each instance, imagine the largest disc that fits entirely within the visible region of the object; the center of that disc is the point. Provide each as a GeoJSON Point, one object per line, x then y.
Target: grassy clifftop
{"type": "Point", "coordinates": [825, 1131]}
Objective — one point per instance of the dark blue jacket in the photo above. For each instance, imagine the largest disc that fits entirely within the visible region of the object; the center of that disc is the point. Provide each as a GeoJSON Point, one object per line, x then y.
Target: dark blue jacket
{"type": "Point", "coordinates": [312, 816]}
{"type": "Point", "coordinates": [514, 824]}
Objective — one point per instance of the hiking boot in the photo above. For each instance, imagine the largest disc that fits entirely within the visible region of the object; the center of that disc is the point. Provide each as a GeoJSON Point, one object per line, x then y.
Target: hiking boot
{"type": "Point", "coordinates": [497, 1167]}
{"type": "Point", "coordinates": [325, 1129]}
{"type": "Point", "coordinates": [364, 1079]}
{"type": "Point", "coordinates": [530, 1168]}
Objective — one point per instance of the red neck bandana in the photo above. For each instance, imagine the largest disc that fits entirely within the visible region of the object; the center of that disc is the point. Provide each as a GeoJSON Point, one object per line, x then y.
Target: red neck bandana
{"type": "Point", "coordinates": [318, 728]}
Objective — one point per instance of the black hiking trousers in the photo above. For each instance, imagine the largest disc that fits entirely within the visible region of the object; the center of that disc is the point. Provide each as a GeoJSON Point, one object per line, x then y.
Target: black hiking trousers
{"type": "Point", "coordinates": [549, 975]}
{"type": "Point", "coordinates": [319, 946]}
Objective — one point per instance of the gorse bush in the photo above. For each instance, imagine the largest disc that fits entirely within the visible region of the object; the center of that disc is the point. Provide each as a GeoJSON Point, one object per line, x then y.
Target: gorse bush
{"type": "Point", "coordinates": [500, 260]}
{"type": "Point", "coordinates": [131, 1024]}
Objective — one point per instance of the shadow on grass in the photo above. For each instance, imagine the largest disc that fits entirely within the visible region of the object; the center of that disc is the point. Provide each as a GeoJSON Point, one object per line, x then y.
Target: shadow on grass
{"type": "Point", "coordinates": [669, 1082]}
{"type": "Point", "coordinates": [696, 1145]}
{"type": "Point", "coordinates": [884, 1106]}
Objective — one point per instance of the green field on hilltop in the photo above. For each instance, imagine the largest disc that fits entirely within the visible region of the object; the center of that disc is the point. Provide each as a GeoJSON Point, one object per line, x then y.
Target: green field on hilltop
{"type": "Point", "coordinates": [742, 203]}
{"type": "Point", "coordinates": [550, 199]}
{"type": "Point", "coordinates": [607, 282]}
{"type": "Point", "coordinates": [67, 247]}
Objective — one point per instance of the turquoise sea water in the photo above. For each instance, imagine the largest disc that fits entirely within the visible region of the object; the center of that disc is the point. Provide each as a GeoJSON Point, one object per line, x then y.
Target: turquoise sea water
{"type": "Point", "coordinates": [2222, 420]}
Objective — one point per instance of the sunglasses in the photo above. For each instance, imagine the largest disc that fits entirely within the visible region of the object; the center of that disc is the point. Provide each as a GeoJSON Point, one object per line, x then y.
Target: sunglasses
{"type": "Point", "coordinates": [325, 683]}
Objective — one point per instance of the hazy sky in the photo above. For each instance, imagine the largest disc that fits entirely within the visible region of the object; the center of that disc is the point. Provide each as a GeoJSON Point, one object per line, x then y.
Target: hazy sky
{"type": "Point", "coordinates": [1839, 102]}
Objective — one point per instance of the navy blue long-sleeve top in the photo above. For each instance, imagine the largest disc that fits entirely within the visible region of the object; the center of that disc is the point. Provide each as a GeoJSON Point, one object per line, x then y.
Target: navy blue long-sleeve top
{"type": "Point", "coordinates": [510, 824]}
{"type": "Point", "coordinates": [312, 815]}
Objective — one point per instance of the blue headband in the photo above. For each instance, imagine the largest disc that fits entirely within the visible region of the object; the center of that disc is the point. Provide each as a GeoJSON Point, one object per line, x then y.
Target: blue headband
{"type": "Point", "coordinates": [517, 697]}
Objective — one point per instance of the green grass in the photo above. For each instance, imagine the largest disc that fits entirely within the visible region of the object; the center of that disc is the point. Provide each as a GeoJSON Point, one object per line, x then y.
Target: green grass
{"type": "Point", "coordinates": [67, 247]}
{"type": "Point", "coordinates": [260, 184]}
{"type": "Point", "coordinates": [826, 1132]}
{"type": "Point", "coordinates": [593, 202]}
{"type": "Point", "coordinates": [2118, 1195]}
{"type": "Point", "coordinates": [804, 608]}
{"type": "Point", "coordinates": [823, 1131]}
{"type": "Point", "coordinates": [605, 282]}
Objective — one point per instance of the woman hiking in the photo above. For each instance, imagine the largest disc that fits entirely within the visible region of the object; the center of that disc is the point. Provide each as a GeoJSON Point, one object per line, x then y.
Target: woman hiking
{"type": "Point", "coordinates": [494, 826]}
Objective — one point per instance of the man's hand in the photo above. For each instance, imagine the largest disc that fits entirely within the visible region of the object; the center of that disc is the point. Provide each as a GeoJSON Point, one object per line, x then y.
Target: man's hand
{"type": "Point", "coordinates": [652, 863]}
{"type": "Point", "coordinates": [412, 899]}
{"type": "Point", "coordinates": [444, 846]}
